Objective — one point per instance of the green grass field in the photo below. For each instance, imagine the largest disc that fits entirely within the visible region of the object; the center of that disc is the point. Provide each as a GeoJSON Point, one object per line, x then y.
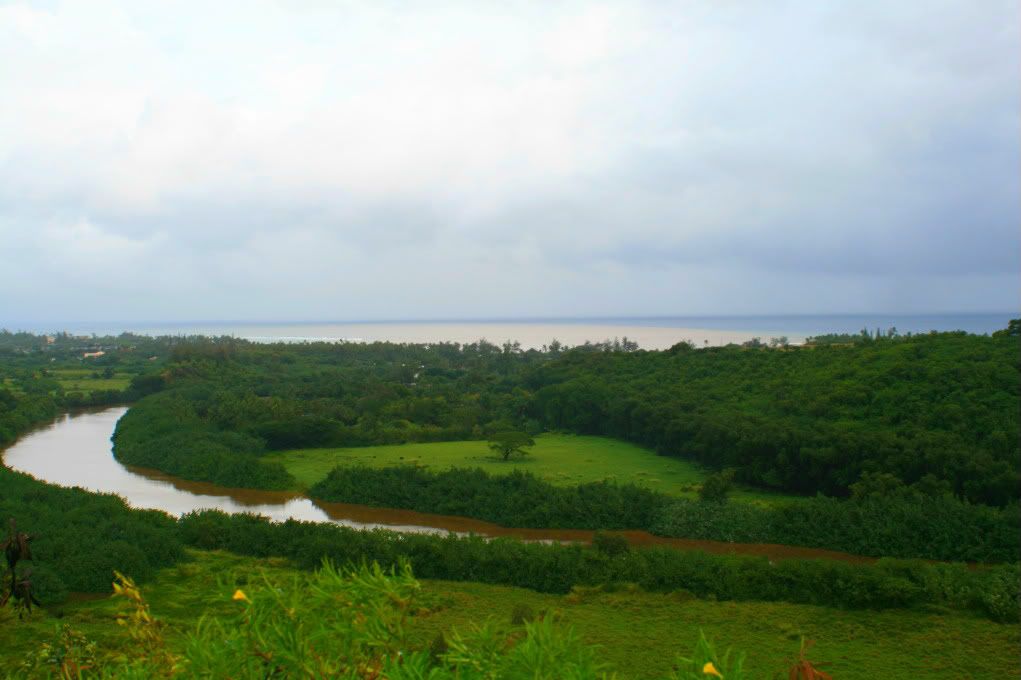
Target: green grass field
{"type": "Point", "coordinates": [558, 458]}
{"type": "Point", "coordinates": [81, 380]}
{"type": "Point", "coordinates": [638, 633]}
{"type": "Point", "coordinates": [11, 385]}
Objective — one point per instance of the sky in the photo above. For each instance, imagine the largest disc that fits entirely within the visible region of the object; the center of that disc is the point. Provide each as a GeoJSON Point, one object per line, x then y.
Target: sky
{"type": "Point", "coordinates": [379, 160]}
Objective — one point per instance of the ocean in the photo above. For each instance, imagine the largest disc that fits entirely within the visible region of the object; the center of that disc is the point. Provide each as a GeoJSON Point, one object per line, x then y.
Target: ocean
{"type": "Point", "coordinates": [649, 332]}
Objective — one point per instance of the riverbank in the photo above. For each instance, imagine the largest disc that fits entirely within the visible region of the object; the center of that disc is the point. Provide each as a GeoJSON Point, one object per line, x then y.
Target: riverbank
{"type": "Point", "coordinates": [75, 450]}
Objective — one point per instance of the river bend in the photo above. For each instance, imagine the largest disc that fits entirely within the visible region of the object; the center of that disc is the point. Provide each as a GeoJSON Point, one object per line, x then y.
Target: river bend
{"type": "Point", "coordinates": [75, 450]}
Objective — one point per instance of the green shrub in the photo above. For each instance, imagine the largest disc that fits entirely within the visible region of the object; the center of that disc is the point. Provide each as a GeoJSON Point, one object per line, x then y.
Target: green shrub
{"type": "Point", "coordinates": [716, 487]}
{"type": "Point", "coordinates": [522, 613]}
{"type": "Point", "coordinates": [518, 499]}
{"type": "Point", "coordinates": [610, 544]}
{"type": "Point", "coordinates": [999, 595]}
{"type": "Point", "coordinates": [69, 654]}
{"type": "Point", "coordinates": [47, 586]}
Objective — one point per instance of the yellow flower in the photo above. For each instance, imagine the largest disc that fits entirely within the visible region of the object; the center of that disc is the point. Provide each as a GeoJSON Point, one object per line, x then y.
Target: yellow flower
{"type": "Point", "coordinates": [710, 669]}
{"type": "Point", "coordinates": [240, 595]}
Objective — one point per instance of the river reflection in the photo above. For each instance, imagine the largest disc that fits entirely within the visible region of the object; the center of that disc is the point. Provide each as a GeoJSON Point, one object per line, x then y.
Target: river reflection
{"type": "Point", "coordinates": [75, 450]}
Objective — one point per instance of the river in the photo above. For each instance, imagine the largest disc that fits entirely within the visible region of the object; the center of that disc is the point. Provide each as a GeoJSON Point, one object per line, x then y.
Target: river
{"type": "Point", "coordinates": [75, 450]}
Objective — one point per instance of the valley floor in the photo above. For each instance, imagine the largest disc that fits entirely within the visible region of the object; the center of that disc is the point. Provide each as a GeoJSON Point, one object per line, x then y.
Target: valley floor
{"type": "Point", "coordinates": [563, 459]}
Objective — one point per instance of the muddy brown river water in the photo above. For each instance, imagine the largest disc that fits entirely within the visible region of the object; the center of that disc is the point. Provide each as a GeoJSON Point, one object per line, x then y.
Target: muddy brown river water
{"type": "Point", "coordinates": [75, 450]}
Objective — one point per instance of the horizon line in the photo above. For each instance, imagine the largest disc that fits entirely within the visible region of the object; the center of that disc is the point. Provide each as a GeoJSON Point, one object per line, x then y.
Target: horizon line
{"type": "Point", "coordinates": [512, 320]}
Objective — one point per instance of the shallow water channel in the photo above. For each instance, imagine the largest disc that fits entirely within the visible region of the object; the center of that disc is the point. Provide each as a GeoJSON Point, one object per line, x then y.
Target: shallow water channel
{"type": "Point", "coordinates": [75, 450]}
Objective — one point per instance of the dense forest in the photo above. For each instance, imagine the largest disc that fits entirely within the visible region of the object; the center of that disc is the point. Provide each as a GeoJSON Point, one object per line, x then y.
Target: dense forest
{"type": "Point", "coordinates": [938, 412]}
{"type": "Point", "coordinates": [939, 409]}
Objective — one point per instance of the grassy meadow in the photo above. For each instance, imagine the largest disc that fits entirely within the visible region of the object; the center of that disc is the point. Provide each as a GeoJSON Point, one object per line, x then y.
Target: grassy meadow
{"type": "Point", "coordinates": [638, 633]}
{"type": "Point", "coordinates": [563, 459]}
{"type": "Point", "coordinates": [82, 380]}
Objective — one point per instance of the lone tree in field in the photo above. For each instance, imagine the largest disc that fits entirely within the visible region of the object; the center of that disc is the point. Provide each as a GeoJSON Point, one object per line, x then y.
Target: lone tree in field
{"type": "Point", "coordinates": [509, 443]}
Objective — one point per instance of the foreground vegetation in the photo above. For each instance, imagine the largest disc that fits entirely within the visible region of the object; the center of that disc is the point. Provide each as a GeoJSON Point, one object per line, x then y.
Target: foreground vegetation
{"type": "Point", "coordinates": [618, 627]}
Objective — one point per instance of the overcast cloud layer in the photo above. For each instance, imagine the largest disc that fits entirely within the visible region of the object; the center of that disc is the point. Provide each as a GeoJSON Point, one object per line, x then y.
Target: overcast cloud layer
{"type": "Point", "coordinates": [322, 160]}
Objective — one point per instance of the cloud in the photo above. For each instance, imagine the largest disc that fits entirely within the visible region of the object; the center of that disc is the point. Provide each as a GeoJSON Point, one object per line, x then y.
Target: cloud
{"type": "Point", "coordinates": [370, 160]}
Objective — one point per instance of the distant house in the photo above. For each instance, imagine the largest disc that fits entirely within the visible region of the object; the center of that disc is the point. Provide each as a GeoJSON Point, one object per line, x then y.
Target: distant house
{"type": "Point", "coordinates": [93, 355]}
